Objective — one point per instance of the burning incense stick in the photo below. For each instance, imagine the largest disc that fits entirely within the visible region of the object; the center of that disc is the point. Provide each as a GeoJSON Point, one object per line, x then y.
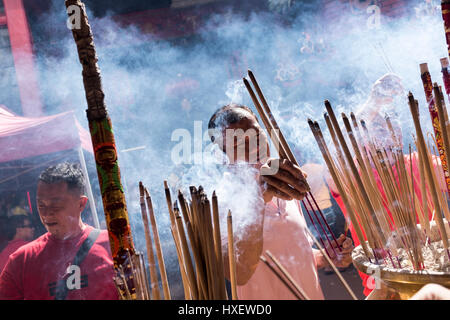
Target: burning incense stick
{"type": "Point", "coordinates": [159, 253]}
{"type": "Point", "coordinates": [232, 257]}
{"type": "Point", "coordinates": [282, 279]}
{"type": "Point", "coordinates": [148, 240]}
{"type": "Point", "coordinates": [186, 255]}
{"type": "Point", "coordinates": [349, 158]}
{"type": "Point", "coordinates": [350, 291]}
{"type": "Point", "coordinates": [280, 142]}
{"type": "Point", "coordinates": [351, 212]}
{"type": "Point", "coordinates": [428, 169]}
{"type": "Point", "coordinates": [218, 244]}
{"type": "Point", "coordinates": [287, 275]}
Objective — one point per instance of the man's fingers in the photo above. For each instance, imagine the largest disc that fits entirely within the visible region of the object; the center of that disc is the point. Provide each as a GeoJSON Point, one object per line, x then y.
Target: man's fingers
{"type": "Point", "coordinates": [282, 186]}
{"type": "Point", "coordinates": [278, 193]}
{"type": "Point", "coordinates": [293, 169]}
{"type": "Point", "coordinates": [288, 178]}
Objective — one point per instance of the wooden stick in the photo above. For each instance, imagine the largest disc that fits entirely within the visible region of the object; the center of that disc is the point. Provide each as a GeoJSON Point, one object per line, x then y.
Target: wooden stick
{"type": "Point", "coordinates": [271, 118]}
{"type": "Point", "coordinates": [367, 182]}
{"type": "Point", "coordinates": [150, 253]}
{"type": "Point", "coordinates": [272, 125]}
{"type": "Point", "coordinates": [124, 281]}
{"type": "Point", "coordinates": [177, 241]}
{"type": "Point", "coordinates": [144, 276]}
{"type": "Point", "coordinates": [159, 253]}
{"type": "Point", "coordinates": [347, 287]}
{"type": "Point", "coordinates": [323, 148]}
{"type": "Point", "coordinates": [282, 279]}
{"type": "Point", "coordinates": [232, 257]}
{"type": "Point", "coordinates": [287, 275]}
{"type": "Point", "coordinates": [184, 279]}
{"type": "Point", "coordinates": [273, 134]}
{"type": "Point", "coordinates": [350, 162]}
{"type": "Point", "coordinates": [423, 189]}
{"type": "Point", "coordinates": [186, 256]}
{"type": "Point", "coordinates": [218, 246]}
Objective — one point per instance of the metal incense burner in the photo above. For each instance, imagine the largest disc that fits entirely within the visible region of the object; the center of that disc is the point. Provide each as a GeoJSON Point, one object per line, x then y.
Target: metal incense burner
{"type": "Point", "coordinates": [395, 284]}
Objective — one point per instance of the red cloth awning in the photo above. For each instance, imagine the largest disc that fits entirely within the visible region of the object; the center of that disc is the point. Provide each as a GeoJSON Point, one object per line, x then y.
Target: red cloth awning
{"type": "Point", "coordinates": [22, 137]}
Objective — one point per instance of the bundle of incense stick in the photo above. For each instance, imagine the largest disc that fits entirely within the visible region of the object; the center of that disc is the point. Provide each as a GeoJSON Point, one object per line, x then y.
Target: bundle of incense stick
{"type": "Point", "coordinates": [141, 290]}
{"type": "Point", "coordinates": [284, 151]}
{"type": "Point", "coordinates": [379, 187]}
{"type": "Point", "coordinates": [137, 265]}
{"type": "Point", "coordinates": [196, 232]}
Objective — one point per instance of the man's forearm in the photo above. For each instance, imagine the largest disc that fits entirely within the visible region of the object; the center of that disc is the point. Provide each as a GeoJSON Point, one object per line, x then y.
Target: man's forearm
{"type": "Point", "coordinates": [248, 250]}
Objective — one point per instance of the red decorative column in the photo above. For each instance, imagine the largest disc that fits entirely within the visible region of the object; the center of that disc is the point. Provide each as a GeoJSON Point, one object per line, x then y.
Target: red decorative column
{"type": "Point", "coordinates": [22, 50]}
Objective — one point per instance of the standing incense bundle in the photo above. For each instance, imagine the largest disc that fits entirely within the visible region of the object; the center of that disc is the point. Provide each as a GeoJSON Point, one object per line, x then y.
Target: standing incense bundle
{"type": "Point", "coordinates": [428, 88]}
{"type": "Point", "coordinates": [423, 153]}
{"type": "Point", "coordinates": [386, 188]}
{"type": "Point", "coordinates": [103, 141]}
{"type": "Point", "coordinates": [199, 240]}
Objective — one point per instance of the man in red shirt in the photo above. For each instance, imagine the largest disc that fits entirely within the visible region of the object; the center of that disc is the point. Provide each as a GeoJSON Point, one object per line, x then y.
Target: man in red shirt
{"type": "Point", "coordinates": [72, 260]}
{"type": "Point", "coordinates": [23, 233]}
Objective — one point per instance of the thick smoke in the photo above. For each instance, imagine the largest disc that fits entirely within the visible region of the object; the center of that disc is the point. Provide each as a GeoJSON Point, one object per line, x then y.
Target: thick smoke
{"type": "Point", "coordinates": [154, 87]}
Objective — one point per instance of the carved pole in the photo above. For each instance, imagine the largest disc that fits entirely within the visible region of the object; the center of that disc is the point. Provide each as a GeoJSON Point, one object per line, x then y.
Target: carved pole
{"type": "Point", "coordinates": [445, 7]}
{"type": "Point", "coordinates": [103, 141]}
{"type": "Point", "coordinates": [428, 89]}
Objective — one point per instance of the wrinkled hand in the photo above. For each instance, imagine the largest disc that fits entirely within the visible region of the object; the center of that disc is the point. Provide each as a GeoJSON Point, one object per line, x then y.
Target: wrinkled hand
{"type": "Point", "coordinates": [432, 291]}
{"type": "Point", "coordinates": [344, 257]}
{"type": "Point", "coordinates": [282, 179]}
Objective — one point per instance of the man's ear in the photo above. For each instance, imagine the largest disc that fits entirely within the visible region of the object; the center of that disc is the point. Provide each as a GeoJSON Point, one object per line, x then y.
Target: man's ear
{"type": "Point", "coordinates": [83, 202]}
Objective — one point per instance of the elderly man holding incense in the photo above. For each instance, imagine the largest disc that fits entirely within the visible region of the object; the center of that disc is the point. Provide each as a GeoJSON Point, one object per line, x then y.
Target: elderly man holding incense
{"type": "Point", "coordinates": [280, 227]}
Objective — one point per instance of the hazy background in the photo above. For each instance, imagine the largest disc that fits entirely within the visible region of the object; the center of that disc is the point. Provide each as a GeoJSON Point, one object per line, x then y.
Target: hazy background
{"type": "Point", "coordinates": [155, 85]}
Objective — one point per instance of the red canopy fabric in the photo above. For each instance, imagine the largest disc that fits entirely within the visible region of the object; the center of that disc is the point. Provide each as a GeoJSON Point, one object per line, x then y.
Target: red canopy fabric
{"type": "Point", "coordinates": [22, 137]}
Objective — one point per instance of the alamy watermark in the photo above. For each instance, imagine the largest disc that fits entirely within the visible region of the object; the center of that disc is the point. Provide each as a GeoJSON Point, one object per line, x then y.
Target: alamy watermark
{"type": "Point", "coordinates": [374, 280]}
{"type": "Point", "coordinates": [235, 145]}
{"type": "Point", "coordinates": [374, 20]}
{"type": "Point", "coordinates": [74, 19]}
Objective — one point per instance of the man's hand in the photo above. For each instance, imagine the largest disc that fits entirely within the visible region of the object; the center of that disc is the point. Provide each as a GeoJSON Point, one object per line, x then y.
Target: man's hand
{"type": "Point", "coordinates": [282, 179]}
{"type": "Point", "coordinates": [344, 257]}
{"type": "Point", "coordinates": [432, 291]}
